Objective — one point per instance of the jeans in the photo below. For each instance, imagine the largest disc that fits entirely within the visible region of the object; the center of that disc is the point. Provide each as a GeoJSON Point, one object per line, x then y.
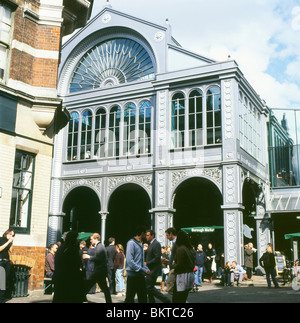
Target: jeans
{"type": "Point", "coordinates": [272, 273]}
{"type": "Point", "coordinates": [198, 276]}
{"type": "Point", "coordinates": [120, 279]}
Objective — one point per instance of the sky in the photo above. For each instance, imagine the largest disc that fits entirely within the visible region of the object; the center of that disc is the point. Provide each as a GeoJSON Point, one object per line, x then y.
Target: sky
{"type": "Point", "coordinates": [262, 36]}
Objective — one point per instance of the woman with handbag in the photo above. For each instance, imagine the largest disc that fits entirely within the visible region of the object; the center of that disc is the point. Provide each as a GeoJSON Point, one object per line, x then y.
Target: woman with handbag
{"type": "Point", "coordinates": [165, 268]}
{"type": "Point", "coordinates": [183, 268]}
{"type": "Point", "coordinates": [211, 255]}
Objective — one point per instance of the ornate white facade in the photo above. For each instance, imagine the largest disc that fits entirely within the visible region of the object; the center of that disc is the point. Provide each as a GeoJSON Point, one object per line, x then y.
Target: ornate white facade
{"type": "Point", "coordinates": [193, 129]}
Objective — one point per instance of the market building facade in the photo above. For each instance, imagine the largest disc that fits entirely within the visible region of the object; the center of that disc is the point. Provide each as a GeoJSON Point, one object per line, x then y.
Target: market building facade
{"type": "Point", "coordinates": [159, 136]}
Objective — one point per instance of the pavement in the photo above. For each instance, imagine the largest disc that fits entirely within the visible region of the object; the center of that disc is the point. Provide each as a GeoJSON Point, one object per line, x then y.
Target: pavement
{"type": "Point", "coordinates": [255, 291]}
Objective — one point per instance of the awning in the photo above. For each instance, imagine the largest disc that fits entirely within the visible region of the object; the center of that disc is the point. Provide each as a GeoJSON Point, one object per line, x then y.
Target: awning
{"type": "Point", "coordinates": [292, 235]}
{"type": "Point", "coordinates": [201, 229]}
{"type": "Point", "coordinates": [84, 235]}
{"type": "Point", "coordinates": [284, 202]}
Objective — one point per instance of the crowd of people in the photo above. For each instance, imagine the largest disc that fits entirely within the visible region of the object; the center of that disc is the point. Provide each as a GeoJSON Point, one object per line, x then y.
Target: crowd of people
{"type": "Point", "coordinates": [76, 270]}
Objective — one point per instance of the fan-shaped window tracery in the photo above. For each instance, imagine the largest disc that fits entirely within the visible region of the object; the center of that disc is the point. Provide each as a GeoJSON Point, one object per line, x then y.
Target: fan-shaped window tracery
{"type": "Point", "coordinates": [112, 62]}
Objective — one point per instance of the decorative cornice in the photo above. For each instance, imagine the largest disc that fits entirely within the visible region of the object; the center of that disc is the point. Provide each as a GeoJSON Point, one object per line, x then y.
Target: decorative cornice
{"type": "Point", "coordinates": [143, 180]}
{"type": "Point", "coordinates": [213, 173]}
{"type": "Point", "coordinates": [94, 183]}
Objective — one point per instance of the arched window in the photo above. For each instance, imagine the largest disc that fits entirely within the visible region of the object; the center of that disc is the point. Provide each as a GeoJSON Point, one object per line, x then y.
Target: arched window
{"type": "Point", "coordinates": [86, 135]}
{"type": "Point", "coordinates": [178, 120]}
{"type": "Point", "coordinates": [73, 136]}
{"type": "Point", "coordinates": [144, 130]}
{"type": "Point", "coordinates": [195, 118]}
{"type": "Point", "coordinates": [112, 62]}
{"type": "Point", "coordinates": [100, 127]}
{"type": "Point", "coordinates": [114, 131]}
{"type": "Point", "coordinates": [213, 116]}
{"type": "Point", "coordinates": [129, 132]}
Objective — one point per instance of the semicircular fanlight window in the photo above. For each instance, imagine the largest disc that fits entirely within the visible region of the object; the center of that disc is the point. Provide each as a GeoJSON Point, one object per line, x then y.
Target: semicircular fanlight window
{"type": "Point", "coordinates": [110, 63]}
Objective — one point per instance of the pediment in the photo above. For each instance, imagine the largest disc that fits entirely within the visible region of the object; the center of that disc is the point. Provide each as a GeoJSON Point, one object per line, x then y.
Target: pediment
{"type": "Point", "coordinates": [164, 51]}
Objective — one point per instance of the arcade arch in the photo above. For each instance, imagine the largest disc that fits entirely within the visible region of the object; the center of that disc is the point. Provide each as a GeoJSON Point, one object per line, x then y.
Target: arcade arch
{"type": "Point", "coordinates": [197, 202]}
{"type": "Point", "coordinates": [128, 207]}
{"type": "Point", "coordinates": [81, 207]}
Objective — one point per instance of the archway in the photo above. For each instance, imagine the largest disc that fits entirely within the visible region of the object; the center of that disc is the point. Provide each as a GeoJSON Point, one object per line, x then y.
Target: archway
{"type": "Point", "coordinates": [198, 204]}
{"type": "Point", "coordinates": [249, 194]}
{"type": "Point", "coordinates": [128, 207]}
{"type": "Point", "coordinates": [81, 207]}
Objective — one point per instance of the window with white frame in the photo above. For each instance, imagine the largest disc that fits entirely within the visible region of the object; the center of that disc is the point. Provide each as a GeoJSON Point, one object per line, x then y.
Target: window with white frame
{"type": "Point", "coordinates": [245, 118]}
{"type": "Point", "coordinates": [114, 131]}
{"type": "Point", "coordinates": [241, 119]}
{"type": "Point", "coordinates": [195, 118]}
{"type": "Point", "coordinates": [250, 127]}
{"type": "Point", "coordinates": [178, 120]}
{"type": "Point", "coordinates": [100, 129]}
{"type": "Point", "coordinates": [73, 134]}
{"type": "Point", "coordinates": [5, 31]}
{"type": "Point", "coordinates": [20, 213]}
{"type": "Point", "coordinates": [86, 135]}
{"type": "Point", "coordinates": [129, 129]}
{"type": "Point", "coordinates": [144, 128]}
{"type": "Point", "coordinates": [123, 131]}
{"type": "Point", "coordinates": [213, 116]}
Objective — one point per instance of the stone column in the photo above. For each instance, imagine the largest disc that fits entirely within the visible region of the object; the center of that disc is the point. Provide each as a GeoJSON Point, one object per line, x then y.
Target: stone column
{"type": "Point", "coordinates": [233, 214]}
{"type": "Point", "coordinates": [103, 224]}
{"type": "Point", "coordinates": [233, 235]}
{"type": "Point", "coordinates": [55, 224]}
{"type": "Point", "coordinates": [163, 219]}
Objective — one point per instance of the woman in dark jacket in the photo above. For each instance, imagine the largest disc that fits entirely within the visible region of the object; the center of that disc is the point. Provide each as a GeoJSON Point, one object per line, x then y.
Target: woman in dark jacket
{"type": "Point", "coordinates": [267, 261]}
{"type": "Point", "coordinates": [119, 268]}
{"type": "Point", "coordinates": [183, 268]}
{"type": "Point", "coordinates": [68, 277]}
{"type": "Point", "coordinates": [211, 255]}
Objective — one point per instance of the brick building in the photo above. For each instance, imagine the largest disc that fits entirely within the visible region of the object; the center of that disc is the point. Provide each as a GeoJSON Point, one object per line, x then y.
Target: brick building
{"type": "Point", "coordinates": [30, 115]}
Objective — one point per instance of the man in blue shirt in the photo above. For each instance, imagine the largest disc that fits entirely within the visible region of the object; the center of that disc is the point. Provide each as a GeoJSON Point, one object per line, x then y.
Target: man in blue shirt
{"type": "Point", "coordinates": [238, 273]}
{"type": "Point", "coordinates": [135, 268]}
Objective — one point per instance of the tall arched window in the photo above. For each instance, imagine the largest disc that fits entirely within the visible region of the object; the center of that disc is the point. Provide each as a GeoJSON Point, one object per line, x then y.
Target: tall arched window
{"type": "Point", "coordinates": [100, 127]}
{"type": "Point", "coordinates": [144, 130]}
{"type": "Point", "coordinates": [195, 118]}
{"type": "Point", "coordinates": [86, 135]}
{"type": "Point", "coordinates": [73, 136]}
{"type": "Point", "coordinates": [178, 120]}
{"type": "Point", "coordinates": [129, 132]}
{"type": "Point", "coordinates": [213, 116]}
{"type": "Point", "coordinates": [114, 131]}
